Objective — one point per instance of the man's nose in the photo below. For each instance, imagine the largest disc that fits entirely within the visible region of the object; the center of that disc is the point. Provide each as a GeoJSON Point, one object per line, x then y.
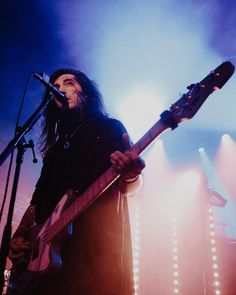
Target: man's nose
{"type": "Point", "coordinates": [62, 89]}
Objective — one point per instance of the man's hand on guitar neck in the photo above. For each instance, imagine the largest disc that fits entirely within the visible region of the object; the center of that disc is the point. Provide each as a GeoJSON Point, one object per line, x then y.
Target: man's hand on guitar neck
{"type": "Point", "coordinates": [130, 165]}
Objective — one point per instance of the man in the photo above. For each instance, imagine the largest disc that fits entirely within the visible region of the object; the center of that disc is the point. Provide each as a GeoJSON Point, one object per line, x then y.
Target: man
{"type": "Point", "coordinates": [79, 142]}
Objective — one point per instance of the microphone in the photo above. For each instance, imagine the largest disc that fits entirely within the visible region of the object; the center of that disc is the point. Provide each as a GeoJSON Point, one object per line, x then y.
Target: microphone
{"type": "Point", "coordinates": [44, 79]}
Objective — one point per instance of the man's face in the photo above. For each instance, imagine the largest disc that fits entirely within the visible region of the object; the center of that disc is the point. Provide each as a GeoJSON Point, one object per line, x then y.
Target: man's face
{"type": "Point", "coordinates": [68, 85]}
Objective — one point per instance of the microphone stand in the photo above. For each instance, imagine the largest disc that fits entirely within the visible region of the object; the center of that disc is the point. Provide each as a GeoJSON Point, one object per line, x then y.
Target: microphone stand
{"type": "Point", "coordinates": [19, 142]}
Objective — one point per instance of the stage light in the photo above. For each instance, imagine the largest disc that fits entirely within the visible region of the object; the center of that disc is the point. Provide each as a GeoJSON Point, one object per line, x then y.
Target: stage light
{"type": "Point", "coordinates": [226, 138]}
{"type": "Point", "coordinates": [159, 143]}
{"type": "Point", "coordinates": [136, 262]}
{"type": "Point", "coordinates": [137, 231]}
{"type": "Point", "coordinates": [146, 105]}
{"type": "Point", "coordinates": [136, 270]}
{"type": "Point", "coordinates": [175, 252]}
{"type": "Point", "coordinates": [216, 199]}
{"type": "Point", "coordinates": [175, 257]}
{"type": "Point", "coordinates": [175, 249]}
{"type": "Point", "coordinates": [217, 283]}
{"type": "Point", "coordinates": [201, 150]}
{"type": "Point", "coordinates": [175, 242]}
{"type": "Point", "coordinates": [136, 255]}
{"type": "Point", "coordinates": [214, 257]}
{"type": "Point", "coordinates": [136, 248]}
{"type": "Point", "coordinates": [213, 249]}
{"type": "Point", "coordinates": [175, 274]}
{"type": "Point", "coordinates": [175, 265]}
{"type": "Point", "coordinates": [176, 282]}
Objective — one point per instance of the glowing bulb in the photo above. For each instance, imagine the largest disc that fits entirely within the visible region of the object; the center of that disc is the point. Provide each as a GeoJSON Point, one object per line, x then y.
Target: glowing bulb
{"type": "Point", "coordinates": [225, 137]}
{"type": "Point", "coordinates": [136, 279]}
{"type": "Point", "coordinates": [175, 274]}
{"type": "Point", "coordinates": [214, 257]}
{"type": "Point", "coordinates": [175, 257]}
{"type": "Point", "coordinates": [201, 150]}
{"type": "Point", "coordinates": [175, 242]}
{"type": "Point", "coordinates": [176, 282]}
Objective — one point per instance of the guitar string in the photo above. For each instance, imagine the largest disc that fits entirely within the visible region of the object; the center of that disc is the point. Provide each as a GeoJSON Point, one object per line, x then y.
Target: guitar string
{"type": "Point", "coordinates": [68, 139]}
{"type": "Point", "coordinates": [41, 238]}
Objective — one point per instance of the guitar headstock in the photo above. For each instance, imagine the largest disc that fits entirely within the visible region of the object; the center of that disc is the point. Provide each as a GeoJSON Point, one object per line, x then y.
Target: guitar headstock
{"type": "Point", "coordinates": [188, 105]}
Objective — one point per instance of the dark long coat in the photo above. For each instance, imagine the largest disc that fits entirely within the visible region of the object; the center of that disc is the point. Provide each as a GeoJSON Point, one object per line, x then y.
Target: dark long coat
{"type": "Point", "coordinates": [97, 259]}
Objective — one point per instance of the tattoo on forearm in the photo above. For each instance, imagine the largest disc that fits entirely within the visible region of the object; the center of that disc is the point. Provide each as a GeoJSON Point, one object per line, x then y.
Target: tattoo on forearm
{"type": "Point", "coordinates": [26, 223]}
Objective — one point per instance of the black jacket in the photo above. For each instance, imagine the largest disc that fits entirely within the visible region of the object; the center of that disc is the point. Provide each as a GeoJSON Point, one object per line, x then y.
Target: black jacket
{"type": "Point", "coordinates": [97, 258]}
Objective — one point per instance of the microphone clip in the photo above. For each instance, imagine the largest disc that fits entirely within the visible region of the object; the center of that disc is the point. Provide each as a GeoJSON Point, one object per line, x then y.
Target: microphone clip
{"type": "Point", "coordinates": [44, 79]}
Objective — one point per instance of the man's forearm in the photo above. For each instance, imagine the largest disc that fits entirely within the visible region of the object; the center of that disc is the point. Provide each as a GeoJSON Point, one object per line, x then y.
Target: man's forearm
{"type": "Point", "coordinates": [26, 223]}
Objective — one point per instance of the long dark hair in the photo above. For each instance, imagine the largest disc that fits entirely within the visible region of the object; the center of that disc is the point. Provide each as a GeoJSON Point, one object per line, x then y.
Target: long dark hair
{"type": "Point", "coordinates": [93, 107]}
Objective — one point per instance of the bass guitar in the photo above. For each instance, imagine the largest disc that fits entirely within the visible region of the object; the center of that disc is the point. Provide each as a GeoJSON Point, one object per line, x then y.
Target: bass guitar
{"type": "Point", "coordinates": [46, 239]}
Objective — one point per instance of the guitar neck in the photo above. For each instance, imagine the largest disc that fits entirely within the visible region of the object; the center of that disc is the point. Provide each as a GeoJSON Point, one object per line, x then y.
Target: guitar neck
{"type": "Point", "coordinates": [149, 137]}
{"type": "Point", "coordinates": [100, 185]}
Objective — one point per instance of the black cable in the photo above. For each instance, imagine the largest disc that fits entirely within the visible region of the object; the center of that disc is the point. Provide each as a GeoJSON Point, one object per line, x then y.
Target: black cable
{"type": "Point", "coordinates": [12, 154]}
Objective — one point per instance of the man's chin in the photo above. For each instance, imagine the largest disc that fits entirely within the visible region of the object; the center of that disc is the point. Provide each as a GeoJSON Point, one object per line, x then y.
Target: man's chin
{"type": "Point", "coordinates": [72, 106]}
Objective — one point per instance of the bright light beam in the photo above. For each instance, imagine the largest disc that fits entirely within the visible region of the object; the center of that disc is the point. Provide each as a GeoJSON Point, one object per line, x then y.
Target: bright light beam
{"type": "Point", "coordinates": [140, 111]}
{"type": "Point", "coordinates": [226, 215]}
{"type": "Point", "coordinates": [184, 189]}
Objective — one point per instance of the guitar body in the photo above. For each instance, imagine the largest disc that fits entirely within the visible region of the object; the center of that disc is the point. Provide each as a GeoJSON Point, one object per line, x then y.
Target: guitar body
{"type": "Point", "coordinates": [44, 257]}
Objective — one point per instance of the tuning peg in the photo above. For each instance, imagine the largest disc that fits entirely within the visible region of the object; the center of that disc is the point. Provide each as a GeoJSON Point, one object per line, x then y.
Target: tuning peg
{"type": "Point", "coordinates": [190, 87]}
